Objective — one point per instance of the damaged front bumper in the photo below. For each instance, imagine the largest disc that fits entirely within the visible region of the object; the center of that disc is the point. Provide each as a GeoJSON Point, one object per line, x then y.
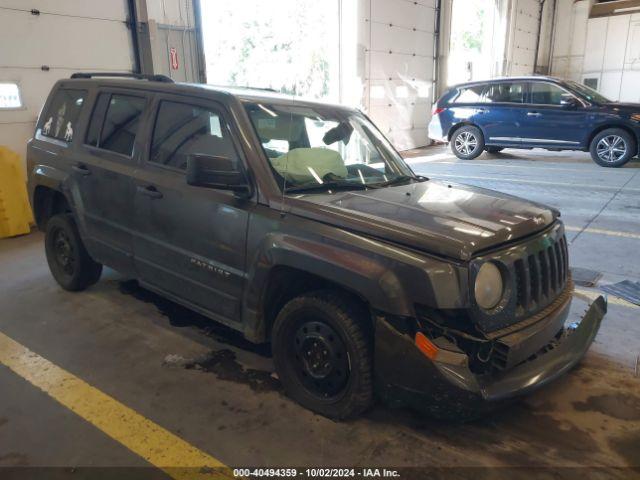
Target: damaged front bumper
{"type": "Point", "coordinates": [446, 386]}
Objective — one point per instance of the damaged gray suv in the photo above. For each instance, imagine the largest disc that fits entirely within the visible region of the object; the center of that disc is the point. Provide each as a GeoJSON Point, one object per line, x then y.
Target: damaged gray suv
{"type": "Point", "coordinates": [297, 223]}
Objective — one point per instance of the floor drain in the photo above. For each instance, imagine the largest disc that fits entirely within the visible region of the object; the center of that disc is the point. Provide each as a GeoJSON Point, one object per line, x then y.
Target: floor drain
{"type": "Point", "coordinates": [585, 277]}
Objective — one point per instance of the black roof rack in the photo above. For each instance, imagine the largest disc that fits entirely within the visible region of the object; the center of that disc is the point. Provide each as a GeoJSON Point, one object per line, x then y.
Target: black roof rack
{"type": "Point", "coordinates": [139, 76]}
{"type": "Point", "coordinates": [245, 87]}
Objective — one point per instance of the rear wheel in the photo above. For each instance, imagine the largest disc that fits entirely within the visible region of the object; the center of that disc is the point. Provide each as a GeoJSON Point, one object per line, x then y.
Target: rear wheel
{"type": "Point", "coordinates": [494, 149]}
{"type": "Point", "coordinates": [323, 354]}
{"type": "Point", "coordinates": [612, 147]}
{"type": "Point", "coordinates": [68, 260]}
{"type": "Point", "coordinates": [467, 142]}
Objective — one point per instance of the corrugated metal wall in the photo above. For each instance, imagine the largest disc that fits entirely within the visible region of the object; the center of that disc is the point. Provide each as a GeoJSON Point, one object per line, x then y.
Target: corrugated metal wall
{"type": "Point", "coordinates": [40, 48]}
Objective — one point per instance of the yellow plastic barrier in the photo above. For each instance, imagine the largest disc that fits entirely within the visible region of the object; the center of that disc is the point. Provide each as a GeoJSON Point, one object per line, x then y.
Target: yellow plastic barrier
{"type": "Point", "coordinates": [15, 211]}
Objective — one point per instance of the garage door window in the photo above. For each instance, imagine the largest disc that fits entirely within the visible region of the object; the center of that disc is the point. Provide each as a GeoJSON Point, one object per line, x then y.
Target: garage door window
{"type": "Point", "coordinates": [182, 130]}
{"type": "Point", "coordinates": [9, 96]}
{"type": "Point", "coordinates": [62, 115]}
{"type": "Point", "coordinates": [117, 133]}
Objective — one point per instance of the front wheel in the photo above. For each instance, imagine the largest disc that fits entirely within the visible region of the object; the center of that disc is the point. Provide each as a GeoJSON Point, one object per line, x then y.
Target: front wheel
{"type": "Point", "coordinates": [322, 352]}
{"type": "Point", "coordinates": [68, 259]}
{"type": "Point", "coordinates": [612, 148]}
{"type": "Point", "coordinates": [467, 142]}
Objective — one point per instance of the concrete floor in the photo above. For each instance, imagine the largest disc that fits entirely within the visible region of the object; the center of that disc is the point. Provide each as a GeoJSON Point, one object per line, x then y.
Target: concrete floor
{"type": "Point", "coordinates": [117, 336]}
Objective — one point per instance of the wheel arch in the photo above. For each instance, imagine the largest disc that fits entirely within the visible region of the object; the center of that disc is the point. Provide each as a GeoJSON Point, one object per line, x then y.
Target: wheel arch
{"type": "Point", "coordinates": [285, 283]}
{"type": "Point", "coordinates": [47, 202]}
{"type": "Point", "coordinates": [459, 125]}
{"type": "Point", "coordinates": [286, 265]}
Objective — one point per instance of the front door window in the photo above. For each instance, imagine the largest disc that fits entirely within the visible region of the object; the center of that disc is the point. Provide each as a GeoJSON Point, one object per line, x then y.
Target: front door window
{"type": "Point", "coordinates": [548, 94]}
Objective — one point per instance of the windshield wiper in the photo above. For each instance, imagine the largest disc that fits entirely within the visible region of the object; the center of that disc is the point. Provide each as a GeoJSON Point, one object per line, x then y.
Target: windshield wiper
{"type": "Point", "coordinates": [327, 186]}
{"type": "Point", "coordinates": [397, 180]}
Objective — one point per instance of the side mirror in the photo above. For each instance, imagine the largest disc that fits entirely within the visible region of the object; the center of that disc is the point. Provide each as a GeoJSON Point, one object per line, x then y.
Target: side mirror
{"type": "Point", "coordinates": [215, 172]}
{"type": "Point", "coordinates": [570, 103]}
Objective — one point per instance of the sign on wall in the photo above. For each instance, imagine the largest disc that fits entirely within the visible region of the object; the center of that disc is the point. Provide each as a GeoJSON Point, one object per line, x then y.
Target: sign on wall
{"type": "Point", "coordinates": [173, 58]}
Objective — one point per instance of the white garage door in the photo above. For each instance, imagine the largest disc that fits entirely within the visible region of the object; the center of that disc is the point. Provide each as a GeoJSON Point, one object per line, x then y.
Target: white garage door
{"type": "Point", "coordinates": [43, 41]}
{"type": "Point", "coordinates": [397, 37]}
{"type": "Point", "coordinates": [524, 36]}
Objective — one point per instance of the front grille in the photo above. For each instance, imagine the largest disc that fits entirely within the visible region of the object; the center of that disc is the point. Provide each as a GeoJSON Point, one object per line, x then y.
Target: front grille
{"type": "Point", "coordinates": [541, 276]}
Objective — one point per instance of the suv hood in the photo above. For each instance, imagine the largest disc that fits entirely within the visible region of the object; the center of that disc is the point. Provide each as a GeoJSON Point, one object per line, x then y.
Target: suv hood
{"type": "Point", "coordinates": [626, 107]}
{"type": "Point", "coordinates": [452, 220]}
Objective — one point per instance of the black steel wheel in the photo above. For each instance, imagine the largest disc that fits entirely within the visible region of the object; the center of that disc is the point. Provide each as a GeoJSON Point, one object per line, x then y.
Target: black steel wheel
{"type": "Point", "coordinates": [68, 260]}
{"type": "Point", "coordinates": [321, 358]}
{"type": "Point", "coordinates": [323, 354]}
{"type": "Point", "coordinates": [63, 251]}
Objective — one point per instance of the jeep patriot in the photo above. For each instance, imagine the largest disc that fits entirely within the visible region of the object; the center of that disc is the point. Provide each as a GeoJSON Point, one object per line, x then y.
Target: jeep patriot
{"type": "Point", "coordinates": [297, 223]}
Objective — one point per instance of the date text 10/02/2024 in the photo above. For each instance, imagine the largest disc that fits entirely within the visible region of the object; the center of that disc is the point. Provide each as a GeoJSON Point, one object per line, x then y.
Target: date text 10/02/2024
{"type": "Point", "coordinates": [317, 472]}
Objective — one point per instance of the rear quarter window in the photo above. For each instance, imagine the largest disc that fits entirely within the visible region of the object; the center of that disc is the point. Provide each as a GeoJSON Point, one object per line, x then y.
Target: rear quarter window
{"type": "Point", "coordinates": [60, 120]}
{"type": "Point", "coordinates": [472, 94]}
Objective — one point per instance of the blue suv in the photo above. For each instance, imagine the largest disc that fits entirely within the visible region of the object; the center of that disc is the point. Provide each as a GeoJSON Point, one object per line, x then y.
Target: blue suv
{"type": "Point", "coordinates": [536, 112]}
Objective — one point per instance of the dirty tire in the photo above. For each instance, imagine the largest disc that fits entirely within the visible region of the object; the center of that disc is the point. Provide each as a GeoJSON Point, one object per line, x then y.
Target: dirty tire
{"type": "Point", "coordinates": [68, 260]}
{"type": "Point", "coordinates": [467, 142]}
{"type": "Point", "coordinates": [494, 149]}
{"type": "Point", "coordinates": [623, 147]}
{"type": "Point", "coordinates": [341, 327]}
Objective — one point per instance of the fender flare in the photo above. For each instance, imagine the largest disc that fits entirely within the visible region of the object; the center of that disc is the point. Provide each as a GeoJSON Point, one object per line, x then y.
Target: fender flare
{"type": "Point", "coordinates": [368, 278]}
{"type": "Point", "coordinates": [53, 179]}
{"type": "Point", "coordinates": [47, 176]}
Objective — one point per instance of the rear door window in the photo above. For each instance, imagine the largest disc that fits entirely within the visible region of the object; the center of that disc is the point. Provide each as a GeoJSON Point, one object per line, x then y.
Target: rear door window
{"type": "Point", "coordinates": [115, 122]}
{"type": "Point", "coordinates": [183, 129]}
{"type": "Point", "coordinates": [505, 92]}
{"type": "Point", "coordinates": [61, 118]}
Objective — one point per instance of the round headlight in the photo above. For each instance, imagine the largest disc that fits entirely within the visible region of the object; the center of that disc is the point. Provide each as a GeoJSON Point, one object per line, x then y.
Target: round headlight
{"type": "Point", "coordinates": [488, 288]}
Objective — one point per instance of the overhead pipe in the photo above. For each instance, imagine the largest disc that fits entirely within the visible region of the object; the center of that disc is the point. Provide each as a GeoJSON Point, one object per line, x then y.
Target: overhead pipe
{"type": "Point", "coordinates": [436, 52]}
{"type": "Point", "coordinates": [133, 26]}
{"type": "Point", "coordinates": [552, 43]}
{"type": "Point", "coordinates": [535, 59]}
{"type": "Point", "coordinates": [200, 55]}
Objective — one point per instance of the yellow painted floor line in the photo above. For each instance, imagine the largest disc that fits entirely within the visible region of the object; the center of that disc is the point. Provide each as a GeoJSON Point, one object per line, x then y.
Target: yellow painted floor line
{"type": "Point", "coordinates": [158, 446]}
{"type": "Point", "coordinates": [611, 299]}
{"type": "Point", "coordinates": [600, 231]}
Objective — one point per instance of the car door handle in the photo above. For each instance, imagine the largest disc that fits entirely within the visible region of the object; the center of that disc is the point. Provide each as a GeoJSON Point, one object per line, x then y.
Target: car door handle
{"type": "Point", "coordinates": [149, 191]}
{"type": "Point", "coordinates": [534, 114]}
{"type": "Point", "coordinates": [81, 169]}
